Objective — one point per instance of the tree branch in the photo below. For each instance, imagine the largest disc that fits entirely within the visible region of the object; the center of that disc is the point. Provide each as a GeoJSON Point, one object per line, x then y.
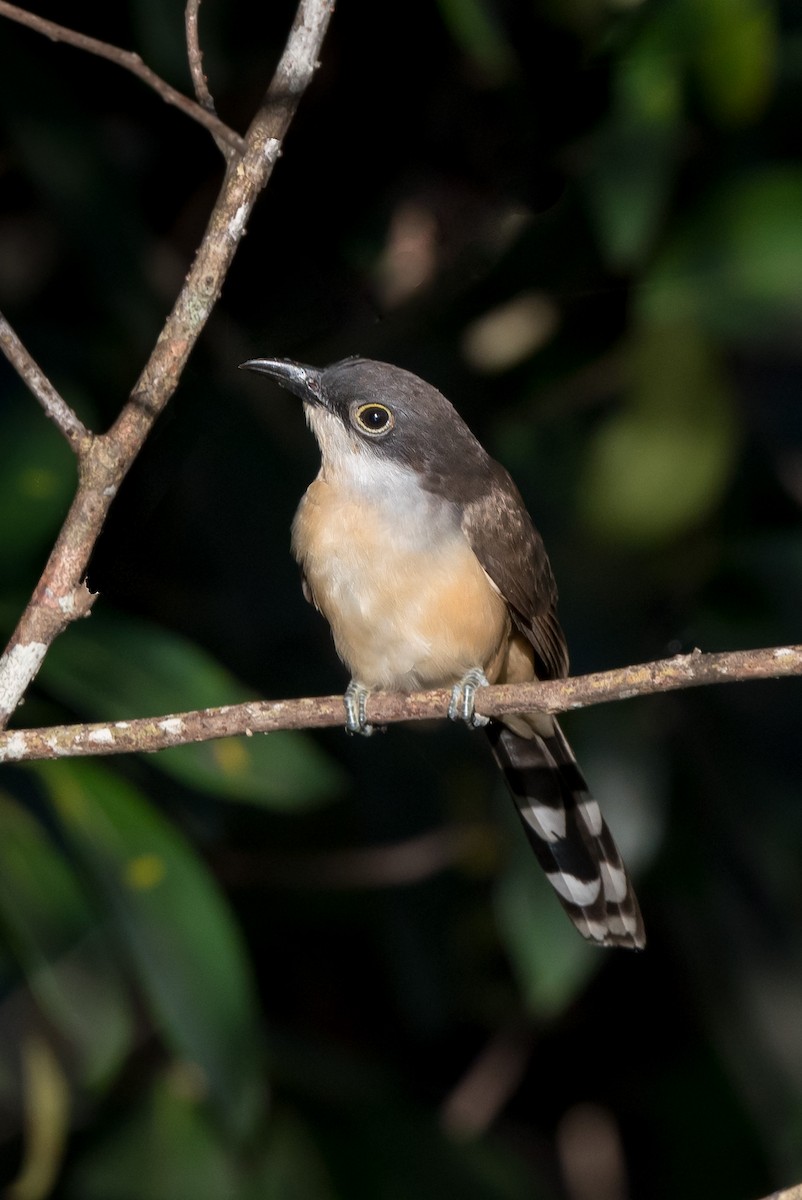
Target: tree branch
{"type": "Point", "coordinates": [130, 62]}
{"type": "Point", "coordinates": [384, 708]}
{"type": "Point", "coordinates": [61, 595]}
{"type": "Point", "coordinates": [31, 374]}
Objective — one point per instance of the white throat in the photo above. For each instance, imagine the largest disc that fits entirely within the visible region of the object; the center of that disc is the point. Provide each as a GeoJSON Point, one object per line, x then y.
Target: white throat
{"type": "Point", "coordinates": [349, 463]}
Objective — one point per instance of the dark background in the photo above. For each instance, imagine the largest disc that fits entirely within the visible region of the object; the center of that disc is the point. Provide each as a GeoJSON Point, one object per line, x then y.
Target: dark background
{"type": "Point", "coordinates": [271, 967]}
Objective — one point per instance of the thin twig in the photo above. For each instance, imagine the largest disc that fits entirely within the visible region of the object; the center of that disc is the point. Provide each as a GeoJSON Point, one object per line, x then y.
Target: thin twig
{"type": "Point", "coordinates": [61, 595]}
{"type": "Point", "coordinates": [385, 708]}
{"type": "Point", "coordinates": [199, 82]}
{"type": "Point", "coordinates": [491, 1080]}
{"type": "Point", "coordinates": [130, 61]}
{"type": "Point", "coordinates": [34, 377]}
{"type": "Point", "coordinates": [397, 864]}
{"type": "Point", "coordinates": [195, 56]}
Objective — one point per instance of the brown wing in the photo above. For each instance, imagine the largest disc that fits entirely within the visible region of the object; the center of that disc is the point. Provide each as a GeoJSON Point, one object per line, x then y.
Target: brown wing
{"type": "Point", "coordinates": [512, 553]}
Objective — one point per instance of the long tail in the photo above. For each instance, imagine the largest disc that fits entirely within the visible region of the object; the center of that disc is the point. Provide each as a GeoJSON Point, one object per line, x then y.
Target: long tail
{"type": "Point", "coordinates": [569, 836]}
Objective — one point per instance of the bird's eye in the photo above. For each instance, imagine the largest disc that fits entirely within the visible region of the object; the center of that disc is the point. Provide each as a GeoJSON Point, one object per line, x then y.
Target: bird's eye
{"type": "Point", "coordinates": [374, 418]}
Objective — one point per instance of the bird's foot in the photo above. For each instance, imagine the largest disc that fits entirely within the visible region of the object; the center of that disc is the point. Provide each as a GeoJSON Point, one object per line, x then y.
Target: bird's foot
{"type": "Point", "coordinates": [463, 697]}
{"type": "Point", "coordinates": [356, 701]}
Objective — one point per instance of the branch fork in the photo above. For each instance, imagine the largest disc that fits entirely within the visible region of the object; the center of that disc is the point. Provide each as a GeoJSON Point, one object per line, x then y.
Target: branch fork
{"type": "Point", "coordinates": [61, 594]}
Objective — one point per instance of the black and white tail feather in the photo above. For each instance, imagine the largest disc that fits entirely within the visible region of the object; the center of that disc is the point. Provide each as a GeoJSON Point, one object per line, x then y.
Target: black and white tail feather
{"type": "Point", "coordinates": [568, 834]}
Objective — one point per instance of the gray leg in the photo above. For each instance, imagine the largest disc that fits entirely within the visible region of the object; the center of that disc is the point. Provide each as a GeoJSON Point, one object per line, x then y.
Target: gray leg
{"type": "Point", "coordinates": [356, 700]}
{"type": "Point", "coordinates": [463, 696]}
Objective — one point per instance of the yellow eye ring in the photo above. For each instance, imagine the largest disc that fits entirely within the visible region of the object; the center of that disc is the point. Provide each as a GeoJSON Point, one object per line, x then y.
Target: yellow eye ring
{"type": "Point", "coordinates": [374, 419]}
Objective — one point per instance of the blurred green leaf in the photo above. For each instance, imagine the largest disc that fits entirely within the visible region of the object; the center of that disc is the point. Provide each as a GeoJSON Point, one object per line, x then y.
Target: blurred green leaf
{"type": "Point", "coordinates": [391, 1151]}
{"type": "Point", "coordinates": [164, 1148]}
{"type": "Point", "coordinates": [734, 51]}
{"type": "Point", "coordinates": [475, 27]}
{"type": "Point", "coordinates": [281, 770]}
{"type": "Point", "coordinates": [552, 963]}
{"type": "Point", "coordinates": [660, 464]}
{"type": "Point", "coordinates": [736, 265]}
{"type": "Point", "coordinates": [290, 1165]}
{"type": "Point", "coordinates": [628, 187]}
{"type": "Point", "coordinates": [116, 667]}
{"type": "Point", "coordinates": [187, 951]}
{"type": "Point", "coordinates": [61, 945]}
{"type": "Point", "coordinates": [47, 1110]}
{"type": "Point", "coordinates": [37, 479]}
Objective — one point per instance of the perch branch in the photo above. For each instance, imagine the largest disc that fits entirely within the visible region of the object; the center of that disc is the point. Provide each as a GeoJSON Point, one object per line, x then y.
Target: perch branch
{"type": "Point", "coordinates": [130, 61]}
{"type": "Point", "coordinates": [61, 594]}
{"type": "Point", "coordinates": [268, 716]}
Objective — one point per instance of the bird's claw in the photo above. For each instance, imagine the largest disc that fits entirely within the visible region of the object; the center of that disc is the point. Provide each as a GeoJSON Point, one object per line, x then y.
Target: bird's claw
{"type": "Point", "coordinates": [356, 702]}
{"type": "Point", "coordinates": [463, 698]}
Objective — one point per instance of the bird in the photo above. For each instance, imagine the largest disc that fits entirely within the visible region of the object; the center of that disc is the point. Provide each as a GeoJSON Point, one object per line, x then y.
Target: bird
{"type": "Point", "coordinates": [418, 549]}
